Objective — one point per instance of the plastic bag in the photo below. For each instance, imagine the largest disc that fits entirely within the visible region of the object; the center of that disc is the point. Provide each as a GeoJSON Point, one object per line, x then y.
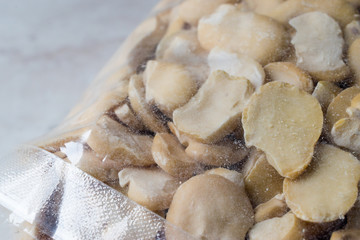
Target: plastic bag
{"type": "Point", "coordinates": [52, 199]}
{"type": "Point", "coordinates": [229, 119]}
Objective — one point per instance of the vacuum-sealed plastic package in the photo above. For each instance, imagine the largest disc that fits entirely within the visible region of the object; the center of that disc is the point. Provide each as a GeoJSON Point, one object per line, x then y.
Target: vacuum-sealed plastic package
{"type": "Point", "coordinates": [219, 119]}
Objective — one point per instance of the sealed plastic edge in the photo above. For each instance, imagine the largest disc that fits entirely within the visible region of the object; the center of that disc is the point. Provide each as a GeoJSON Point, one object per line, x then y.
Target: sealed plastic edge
{"type": "Point", "coordinates": [66, 203]}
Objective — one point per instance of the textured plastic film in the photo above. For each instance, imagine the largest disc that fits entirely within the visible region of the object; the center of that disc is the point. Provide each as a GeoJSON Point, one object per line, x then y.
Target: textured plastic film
{"type": "Point", "coordinates": [66, 203]}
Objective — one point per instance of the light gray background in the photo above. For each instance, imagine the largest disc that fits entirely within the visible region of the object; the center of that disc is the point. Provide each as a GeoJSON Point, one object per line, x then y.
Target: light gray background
{"type": "Point", "coordinates": [49, 52]}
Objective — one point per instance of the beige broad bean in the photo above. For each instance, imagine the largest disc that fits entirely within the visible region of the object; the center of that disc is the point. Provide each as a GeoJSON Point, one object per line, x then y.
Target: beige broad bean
{"type": "Point", "coordinates": [113, 140]}
{"type": "Point", "coordinates": [285, 123]}
{"type": "Point", "coordinates": [340, 10]}
{"type": "Point", "coordinates": [288, 72]}
{"type": "Point", "coordinates": [168, 85]}
{"type": "Point", "coordinates": [184, 48]}
{"type": "Point", "coordinates": [216, 109]}
{"type": "Point", "coordinates": [321, 58]}
{"type": "Point", "coordinates": [152, 188]}
{"type": "Point", "coordinates": [354, 109]}
{"type": "Point", "coordinates": [182, 138]}
{"type": "Point", "coordinates": [355, 102]}
{"type": "Point", "coordinates": [278, 228]}
{"type": "Point", "coordinates": [237, 65]}
{"type": "Point", "coordinates": [141, 107]}
{"type": "Point", "coordinates": [101, 168]}
{"type": "Point", "coordinates": [262, 181]}
{"type": "Point", "coordinates": [289, 227]}
{"type": "Point", "coordinates": [354, 60]}
{"type": "Point", "coordinates": [328, 189]}
{"type": "Point", "coordinates": [222, 209]}
{"type": "Point", "coordinates": [337, 108]}
{"type": "Point", "coordinates": [345, 133]}
{"type": "Point", "coordinates": [224, 153]}
{"type": "Point", "coordinates": [275, 207]}
{"type": "Point", "coordinates": [261, 6]}
{"type": "Point", "coordinates": [231, 175]}
{"type": "Point", "coordinates": [170, 156]}
{"type": "Point", "coordinates": [181, 47]}
{"type": "Point", "coordinates": [352, 31]}
{"type": "Point", "coordinates": [325, 92]}
{"type": "Point", "coordinates": [127, 116]}
{"type": "Point", "coordinates": [257, 36]}
{"type": "Point", "coordinates": [192, 10]}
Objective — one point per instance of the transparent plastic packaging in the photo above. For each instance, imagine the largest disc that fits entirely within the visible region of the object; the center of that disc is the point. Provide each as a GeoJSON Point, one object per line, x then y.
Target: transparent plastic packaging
{"type": "Point", "coordinates": [217, 119]}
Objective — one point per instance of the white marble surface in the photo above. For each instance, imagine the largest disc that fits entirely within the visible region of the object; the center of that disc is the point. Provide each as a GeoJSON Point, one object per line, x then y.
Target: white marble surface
{"type": "Point", "coordinates": [49, 52]}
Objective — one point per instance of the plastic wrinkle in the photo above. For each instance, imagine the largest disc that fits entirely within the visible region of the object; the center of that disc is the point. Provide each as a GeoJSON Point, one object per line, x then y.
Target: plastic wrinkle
{"type": "Point", "coordinates": [66, 203]}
